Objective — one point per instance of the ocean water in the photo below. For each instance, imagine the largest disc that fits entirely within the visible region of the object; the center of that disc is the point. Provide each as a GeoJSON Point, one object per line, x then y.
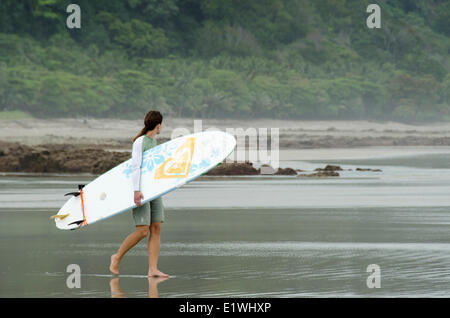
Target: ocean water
{"type": "Point", "coordinates": [261, 236]}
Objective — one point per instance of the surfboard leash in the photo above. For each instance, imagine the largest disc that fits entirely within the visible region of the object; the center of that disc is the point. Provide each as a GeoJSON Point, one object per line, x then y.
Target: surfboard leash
{"type": "Point", "coordinates": [80, 187]}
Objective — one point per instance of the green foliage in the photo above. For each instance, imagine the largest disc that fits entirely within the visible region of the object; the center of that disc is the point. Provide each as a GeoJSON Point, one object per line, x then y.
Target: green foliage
{"type": "Point", "coordinates": [270, 21]}
{"type": "Point", "coordinates": [228, 58]}
{"type": "Point", "coordinates": [138, 38]}
{"type": "Point", "coordinates": [441, 21]}
{"type": "Point", "coordinates": [213, 39]}
{"type": "Point", "coordinates": [419, 97]}
{"type": "Point", "coordinates": [13, 115]}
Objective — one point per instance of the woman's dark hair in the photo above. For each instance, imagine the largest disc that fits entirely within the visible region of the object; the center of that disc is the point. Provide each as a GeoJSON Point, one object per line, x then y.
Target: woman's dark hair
{"type": "Point", "coordinates": [152, 119]}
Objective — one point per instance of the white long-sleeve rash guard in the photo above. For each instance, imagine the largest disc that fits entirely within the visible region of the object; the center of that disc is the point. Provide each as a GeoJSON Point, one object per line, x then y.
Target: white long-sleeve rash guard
{"type": "Point", "coordinates": [136, 161]}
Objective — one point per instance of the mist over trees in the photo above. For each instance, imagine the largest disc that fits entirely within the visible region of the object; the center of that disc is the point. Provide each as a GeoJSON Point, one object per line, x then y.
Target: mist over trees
{"type": "Point", "coordinates": [296, 59]}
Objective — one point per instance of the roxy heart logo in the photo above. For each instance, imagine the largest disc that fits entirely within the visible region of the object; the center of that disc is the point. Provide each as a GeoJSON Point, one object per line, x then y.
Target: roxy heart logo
{"type": "Point", "coordinates": [178, 165]}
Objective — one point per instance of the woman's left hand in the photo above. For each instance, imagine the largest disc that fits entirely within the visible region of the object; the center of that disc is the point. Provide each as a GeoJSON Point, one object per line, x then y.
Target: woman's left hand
{"type": "Point", "coordinates": [138, 196]}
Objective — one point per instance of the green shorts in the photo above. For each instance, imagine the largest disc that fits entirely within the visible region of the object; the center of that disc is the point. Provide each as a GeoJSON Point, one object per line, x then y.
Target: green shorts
{"type": "Point", "coordinates": [149, 212]}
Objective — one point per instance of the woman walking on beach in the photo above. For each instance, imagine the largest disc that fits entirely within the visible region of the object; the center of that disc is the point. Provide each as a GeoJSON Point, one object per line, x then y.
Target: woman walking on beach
{"type": "Point", "coordinates": [148, 217]}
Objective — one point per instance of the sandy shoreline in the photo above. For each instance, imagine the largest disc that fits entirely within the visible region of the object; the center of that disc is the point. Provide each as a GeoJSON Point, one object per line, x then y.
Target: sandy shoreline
{"type": "Point", "coordinates": [97, 145]}
{"type": "Point", "coordinates": [117, 134]}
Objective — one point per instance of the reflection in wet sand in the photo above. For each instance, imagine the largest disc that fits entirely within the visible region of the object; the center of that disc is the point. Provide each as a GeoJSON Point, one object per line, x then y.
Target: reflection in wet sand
{"type": "Point", "coordinates": [116, 292]}
{"type": "Point", "coordinates": [153, 286]}
{"type": "Point", "coordinates": [153, 282]}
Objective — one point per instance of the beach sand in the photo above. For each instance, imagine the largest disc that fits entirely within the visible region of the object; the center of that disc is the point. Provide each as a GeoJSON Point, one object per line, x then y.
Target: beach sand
{"type": "Point", "coordinates": [71, 145]}
{"type": "Point", "coordinates": [243, 236]}
{"type": "Point", "coordinates": [293, 134]}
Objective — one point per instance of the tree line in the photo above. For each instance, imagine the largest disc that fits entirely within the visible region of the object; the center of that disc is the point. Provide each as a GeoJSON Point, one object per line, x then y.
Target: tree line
{"type": "Point", "coordinates": [300, 59]}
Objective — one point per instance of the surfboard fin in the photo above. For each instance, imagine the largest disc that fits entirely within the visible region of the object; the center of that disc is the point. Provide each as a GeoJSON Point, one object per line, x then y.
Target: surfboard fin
{"type": "Point", "coordinates": [59, 217]}
{"type": "Point", "coordinates": [75, 194]}
{"type": "Point", "coordinates": [76, 222]}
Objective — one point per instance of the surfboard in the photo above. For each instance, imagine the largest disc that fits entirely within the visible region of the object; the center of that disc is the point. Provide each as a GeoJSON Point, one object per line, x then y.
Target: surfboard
{"type": "Point", "coordinates": [164, 168]}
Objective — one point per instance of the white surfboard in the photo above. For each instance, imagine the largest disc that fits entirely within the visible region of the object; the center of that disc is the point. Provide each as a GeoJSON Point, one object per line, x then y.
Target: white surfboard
{"type": "Point", "coordinates": [164, 168]}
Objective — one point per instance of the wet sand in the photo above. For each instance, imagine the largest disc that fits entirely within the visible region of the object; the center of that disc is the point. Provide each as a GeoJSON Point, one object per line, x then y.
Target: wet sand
{"type": "Point", "coordinates": [244, 236]}
{"type": "Point", "coordinates": [117, 134]}
{"type": "Point", "coordinates": [236, 253]}
{"type": "Point", "coordinates": [255, 236]}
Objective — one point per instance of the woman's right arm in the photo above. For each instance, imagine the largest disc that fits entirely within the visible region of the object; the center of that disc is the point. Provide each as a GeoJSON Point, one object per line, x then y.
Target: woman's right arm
{"type": "Point", "coordinates": [136, 160]}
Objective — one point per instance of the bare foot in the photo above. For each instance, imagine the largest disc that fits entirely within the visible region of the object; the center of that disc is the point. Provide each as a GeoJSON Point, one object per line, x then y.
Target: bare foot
{"type": "Point", "coordinates": [156, 273]}
{"type": "Point", "coordinates": [114, 267]}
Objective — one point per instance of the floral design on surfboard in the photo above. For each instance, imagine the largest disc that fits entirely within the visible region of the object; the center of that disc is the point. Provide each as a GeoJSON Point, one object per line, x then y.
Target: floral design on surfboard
{"type": "Point", "coordinates": [153, 158]}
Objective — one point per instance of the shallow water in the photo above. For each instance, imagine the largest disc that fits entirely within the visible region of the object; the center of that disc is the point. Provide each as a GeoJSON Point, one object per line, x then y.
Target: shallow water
{"type": "Point", "coordinates": [246, 237]}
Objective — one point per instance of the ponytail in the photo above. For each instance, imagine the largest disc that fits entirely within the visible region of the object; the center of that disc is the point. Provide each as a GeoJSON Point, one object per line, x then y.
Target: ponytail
{"type": "Point", "coordinates": [141, 133]}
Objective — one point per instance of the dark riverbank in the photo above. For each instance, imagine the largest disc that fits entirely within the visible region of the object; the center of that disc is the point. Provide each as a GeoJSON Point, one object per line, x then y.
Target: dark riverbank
{"type": "Point", "coordinates": [15, 157]}
{"type": "Point", "coordinates": [59, 158]}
